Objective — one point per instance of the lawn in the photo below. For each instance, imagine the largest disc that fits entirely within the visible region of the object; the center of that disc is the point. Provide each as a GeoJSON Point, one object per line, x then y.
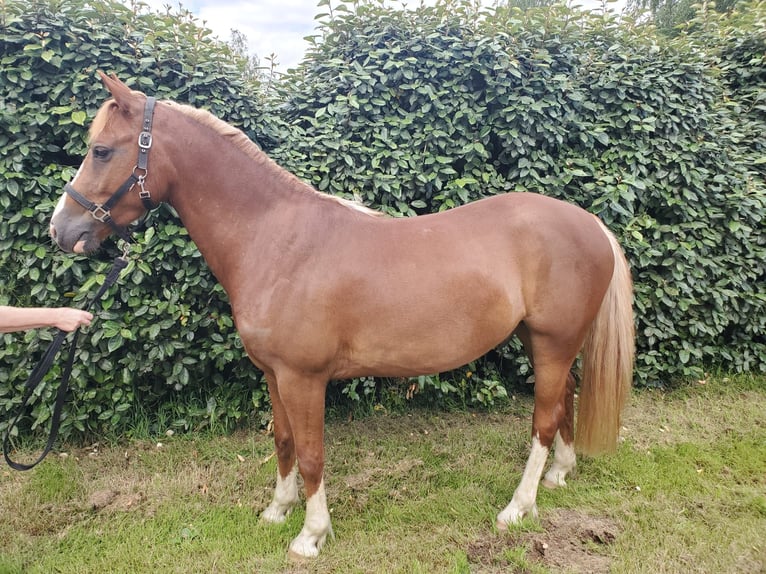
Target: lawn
{"type": "Point", "coordinates": [686, 492]}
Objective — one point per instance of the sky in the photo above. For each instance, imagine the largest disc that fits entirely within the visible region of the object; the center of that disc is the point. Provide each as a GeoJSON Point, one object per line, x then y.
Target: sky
{"type": "Point", "coordinates": [270, 26]}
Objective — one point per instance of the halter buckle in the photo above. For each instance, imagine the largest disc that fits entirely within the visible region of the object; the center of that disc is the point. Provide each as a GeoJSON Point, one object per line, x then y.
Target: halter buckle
{"type": "Point", "coordinates": [145, 141]}
{"type": "Point", "coordinates": [101, 214]}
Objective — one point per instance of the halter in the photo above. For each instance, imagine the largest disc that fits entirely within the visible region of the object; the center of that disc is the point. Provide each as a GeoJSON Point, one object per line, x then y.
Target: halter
{"type": "Point", "coordinates": [102, 212]}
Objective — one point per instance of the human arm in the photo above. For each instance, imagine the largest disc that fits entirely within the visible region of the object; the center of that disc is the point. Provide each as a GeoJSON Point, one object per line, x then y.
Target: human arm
{"type": "Point", "coordinates": [23, 318]}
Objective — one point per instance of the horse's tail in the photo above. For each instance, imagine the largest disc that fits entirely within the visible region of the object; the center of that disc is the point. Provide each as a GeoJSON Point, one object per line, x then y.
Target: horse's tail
{"type": "Point", "coordinates": [607, 362]}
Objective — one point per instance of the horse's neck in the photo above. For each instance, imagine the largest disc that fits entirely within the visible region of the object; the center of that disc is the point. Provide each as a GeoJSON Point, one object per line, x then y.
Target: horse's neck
{"type": "Point", "coordinates": [242, 211]}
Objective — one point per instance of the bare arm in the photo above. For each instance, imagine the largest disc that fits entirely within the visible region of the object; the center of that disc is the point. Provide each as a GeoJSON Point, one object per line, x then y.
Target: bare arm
{"type": "Point", "coordinates": [23, 318]}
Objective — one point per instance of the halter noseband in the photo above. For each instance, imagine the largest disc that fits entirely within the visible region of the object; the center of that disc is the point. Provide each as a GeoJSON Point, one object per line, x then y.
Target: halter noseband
{"type": "Point", "coordinates": [102, 212]}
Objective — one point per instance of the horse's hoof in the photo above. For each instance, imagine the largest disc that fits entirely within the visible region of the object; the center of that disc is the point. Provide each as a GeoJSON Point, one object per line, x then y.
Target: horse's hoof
{"type": "Point", "coordinates": [513, 516]}
{"type": "Point", "coordinates": [505, 523]}
{"type": "Point", "coordinates": [293, 556]}
{"type": "Point", "coordinates": [298, 553]}
{"type": "Point", "coordinates": [273, 516]}
{"type": "Point", "coordinates": [306, 546]}
{"type": "Point", "coordinates": [550, 485]}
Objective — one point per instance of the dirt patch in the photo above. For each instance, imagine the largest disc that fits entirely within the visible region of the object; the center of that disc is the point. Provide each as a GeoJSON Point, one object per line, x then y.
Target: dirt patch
{"type": "Point", "coordinates": [114, 500]}
{"type": "Point", "coordinates": [571, 542]}
{"type": "Point", "coordinates": [355, 487]}
{"type": "Point", "coordinates": [372, 471]}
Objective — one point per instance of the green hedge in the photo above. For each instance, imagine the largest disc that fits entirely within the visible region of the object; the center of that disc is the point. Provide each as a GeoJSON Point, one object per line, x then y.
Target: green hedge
{"type": "Point", "coordinates": [411, 112]}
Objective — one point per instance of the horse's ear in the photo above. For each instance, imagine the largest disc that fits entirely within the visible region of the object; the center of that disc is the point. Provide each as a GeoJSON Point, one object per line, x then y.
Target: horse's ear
{"type": "Point", "coordinates": [121, 93]}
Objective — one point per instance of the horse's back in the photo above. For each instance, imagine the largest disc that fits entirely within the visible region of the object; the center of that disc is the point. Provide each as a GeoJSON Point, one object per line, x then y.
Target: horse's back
{"type": "Point", "coordinates": [504, 236]}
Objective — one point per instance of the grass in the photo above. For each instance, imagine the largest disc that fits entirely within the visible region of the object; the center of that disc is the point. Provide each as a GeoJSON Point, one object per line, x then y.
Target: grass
{"type": "Point", "coordinates": [686, 492]}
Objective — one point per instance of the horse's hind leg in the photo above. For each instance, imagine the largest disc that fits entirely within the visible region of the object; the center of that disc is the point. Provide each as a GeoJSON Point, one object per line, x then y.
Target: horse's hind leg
{"type": "Point", "coordinates": [286, 491]}
{"type": "Point", "coordinates": [552, 360]}
{"type": "Point", "coordinates": [564, 459]}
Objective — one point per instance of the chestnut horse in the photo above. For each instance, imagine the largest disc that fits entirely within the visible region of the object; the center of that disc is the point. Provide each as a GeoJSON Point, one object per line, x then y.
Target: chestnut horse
{"type": "Point", "coordinates": [322, 288]}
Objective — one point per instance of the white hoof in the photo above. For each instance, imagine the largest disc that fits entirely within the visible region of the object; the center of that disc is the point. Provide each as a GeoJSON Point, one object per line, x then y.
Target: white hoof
{"type": "Point", "coordinates": [513, 515]}
{"type": "Point", "coordinates": [306, 545]}
{"type": "Point", "coordinates": [315, 529]}
{"type": "Point", "coordinates": [276, 513]}
{"type": "Point", "coordinates": [554, 480]}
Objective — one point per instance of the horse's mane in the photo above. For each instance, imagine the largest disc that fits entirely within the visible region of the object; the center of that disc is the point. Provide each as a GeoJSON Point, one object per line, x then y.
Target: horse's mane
{"type": "Point", "coordinates": [239, 139]}
{"type": "Point", "coordinates": [227, 131]}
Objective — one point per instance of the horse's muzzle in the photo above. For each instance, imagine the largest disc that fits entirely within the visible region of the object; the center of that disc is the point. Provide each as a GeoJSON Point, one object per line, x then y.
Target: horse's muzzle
{"type": "Point", "coordinates": [77, 235]}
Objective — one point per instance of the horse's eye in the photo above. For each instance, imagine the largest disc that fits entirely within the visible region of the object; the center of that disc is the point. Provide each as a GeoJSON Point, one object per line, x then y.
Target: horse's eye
{"type": "Point", "coordinates": [102, 153]}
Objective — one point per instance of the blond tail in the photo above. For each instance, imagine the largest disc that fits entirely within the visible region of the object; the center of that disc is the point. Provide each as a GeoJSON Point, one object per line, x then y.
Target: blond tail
{"type": "Point", "coordinates": [607, 363]}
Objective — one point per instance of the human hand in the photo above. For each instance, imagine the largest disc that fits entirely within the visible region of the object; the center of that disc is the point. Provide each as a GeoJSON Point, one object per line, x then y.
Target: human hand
{"type": "Point", "coordinates": [68, 319]}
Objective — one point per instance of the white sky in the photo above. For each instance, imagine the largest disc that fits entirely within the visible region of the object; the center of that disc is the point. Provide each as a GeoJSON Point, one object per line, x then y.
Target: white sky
{"type": "Point", "coordinates": [273, 26]}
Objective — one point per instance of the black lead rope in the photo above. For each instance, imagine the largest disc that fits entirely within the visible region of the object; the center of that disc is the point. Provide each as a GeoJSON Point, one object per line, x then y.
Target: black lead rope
{"type": "Point", "coordinates": [44, 366]}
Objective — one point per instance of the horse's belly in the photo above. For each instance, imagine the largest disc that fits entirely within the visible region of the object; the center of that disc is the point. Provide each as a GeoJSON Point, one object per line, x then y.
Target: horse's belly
{"type": "Point", "coordinates": [435, 336]}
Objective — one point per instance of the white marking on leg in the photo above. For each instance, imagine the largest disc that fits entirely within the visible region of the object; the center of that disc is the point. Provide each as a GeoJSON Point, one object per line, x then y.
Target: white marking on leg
{"type": "Point", "coordinates": [316, 527]}
{"type": "Point", "coordinates": [564, 461]}
{"type": "Point", "coordinates": [285, 497]}
{"type": "Point", "coordinates": [524, 499]}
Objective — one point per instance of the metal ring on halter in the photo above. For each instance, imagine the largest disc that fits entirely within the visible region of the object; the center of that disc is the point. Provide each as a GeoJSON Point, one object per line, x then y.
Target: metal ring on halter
{"type": "Point", "coordinates": [126, 250]}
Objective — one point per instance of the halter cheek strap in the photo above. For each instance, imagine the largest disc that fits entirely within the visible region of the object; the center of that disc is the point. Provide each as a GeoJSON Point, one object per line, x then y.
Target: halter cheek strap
{"type": "Point", "coordinates": [102, 212]}
{"type": "Point", "coordinates": [145, 137]}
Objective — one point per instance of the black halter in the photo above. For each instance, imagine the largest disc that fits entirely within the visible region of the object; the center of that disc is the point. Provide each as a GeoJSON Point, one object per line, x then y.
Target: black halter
{"type": "Point", "coordinates": [102, 212]}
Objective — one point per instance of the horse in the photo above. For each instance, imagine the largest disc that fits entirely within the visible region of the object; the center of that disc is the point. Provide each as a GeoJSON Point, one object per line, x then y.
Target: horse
{"type": "Point", "coordinates": [322, 288]}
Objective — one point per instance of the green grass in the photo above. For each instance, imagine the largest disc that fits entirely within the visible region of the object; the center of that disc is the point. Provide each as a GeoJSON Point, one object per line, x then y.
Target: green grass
{"type": "Point", "coordinates": [686, 492]}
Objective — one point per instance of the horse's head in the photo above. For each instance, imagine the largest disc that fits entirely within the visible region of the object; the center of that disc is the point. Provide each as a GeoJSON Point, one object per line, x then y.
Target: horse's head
{"type": "Point", "coordinates": [110, 188]}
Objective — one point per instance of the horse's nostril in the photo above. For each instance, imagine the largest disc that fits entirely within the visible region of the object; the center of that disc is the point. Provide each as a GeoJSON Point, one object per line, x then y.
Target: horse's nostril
{"type": "Point", "coordinates": [52, 231]}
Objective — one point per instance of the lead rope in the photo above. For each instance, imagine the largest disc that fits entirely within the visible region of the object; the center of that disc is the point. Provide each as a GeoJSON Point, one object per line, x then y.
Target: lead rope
{"type": "Point", "coordinates": [44, 366]}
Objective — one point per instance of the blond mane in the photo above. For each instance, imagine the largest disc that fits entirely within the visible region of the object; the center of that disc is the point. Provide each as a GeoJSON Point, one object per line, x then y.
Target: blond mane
{"type": "Point", "coordinates": [240, 140]}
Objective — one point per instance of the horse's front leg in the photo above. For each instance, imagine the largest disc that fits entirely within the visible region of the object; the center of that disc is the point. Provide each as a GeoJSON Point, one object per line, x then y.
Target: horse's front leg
{"type": "Point", "coordinates": [303, 399]}
{"type": "Point", "coordinates": [286, 491]}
